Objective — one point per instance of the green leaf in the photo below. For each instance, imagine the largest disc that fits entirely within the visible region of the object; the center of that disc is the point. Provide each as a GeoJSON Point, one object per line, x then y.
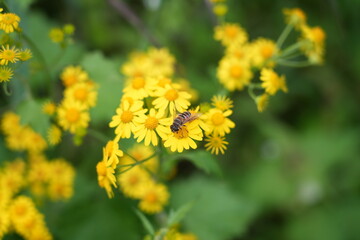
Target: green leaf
{"type": "Point", "coordinates": [218, 213]}
{"type": "Point", "coordinates": [30, 112]}
{"type": "Point", "coordinates": [105, 73]}
{"type": "Point", "coordinates": [147, 224]}
{"type": "Point", "coordinates": [176, 216]}
{"type": "Point", "coordinates": [204, 160]}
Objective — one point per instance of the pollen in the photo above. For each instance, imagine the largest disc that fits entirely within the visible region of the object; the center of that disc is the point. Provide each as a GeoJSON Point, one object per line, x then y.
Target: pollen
{"type": "Point", "coordinates": [218, 119]}
{"type": "Point", "coordinates": [81, 94]}
{"type": "Point", "coordinates": [236, 71]}
{"type": "Point", "coordinates": [171, 95]}
{"type": "Point", "coordinates": [72, 115]}
{"type": "Point", "coordinates": [151, 123]}
{"type": "Point", "coordinates": [127, 116]}
{"type": "Point", "coordinates": [138, 83]}
{"type": "Point", "coordinates": [182, 133]}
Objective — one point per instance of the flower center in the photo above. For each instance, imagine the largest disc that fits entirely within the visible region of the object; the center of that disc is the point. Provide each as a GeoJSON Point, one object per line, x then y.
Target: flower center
{"type": "Point", "coordinates": [70, 80]}
{"type": "Point", "coordinates": [171, 95]}
{"type": "Point", "coordinates": [8, 55]}
{"type": "Point", "coordinates": [101, 169]}
{"type": "Point", "coordinates": [163, 82]}
{"type": "Point", "coordinates": [182, 133]}
{"type": "Point", "coordinates": [138, 83]}
{"type": "Point", "coordinates": [236, 71]}
{"type": "Point", "coordinates": [81, 94]}
{"type": "Point", "coordinates": [216, 142]}
{"type": "Point", "coordinates": [267, 51]}
{"type": "Point", "coordinates": [127, 116]}
{"type": "Point", "coordinates": [133, 180]}
{"type": "Point", "coordinates": [20, 210]}
{"type": "Point", "coordinates": [151, 123]}
{"type": "Point", "coordinates": [72, 115]}
{"type": "Point", "coordinates": [218, 119]}
{"type": "Point", "coordinates": [8, 18]}
{"type": "Point", "coordinates": [151, 197]}
{"type": "Point", "coordinates": [231, 31]}
{"type": "Point", "coordinates": [319, 34]}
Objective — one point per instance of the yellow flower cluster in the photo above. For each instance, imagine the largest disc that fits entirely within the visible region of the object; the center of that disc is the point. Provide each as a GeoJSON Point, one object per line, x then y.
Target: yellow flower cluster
{"type": "Point", "coordinates": [19, 137]}
{"type": "Point", "coordinates": [80, 95]}
{"type": "Point", "coordinates": [18, 213]}
{"type": "Point", "coordinates": [62, 35]}
{"type": "Point", "coordinates": [155, 110]}
{"type": "Point", "coordinates": [242, 57]}
{"type": "Point", "coordinates": [9, 22]}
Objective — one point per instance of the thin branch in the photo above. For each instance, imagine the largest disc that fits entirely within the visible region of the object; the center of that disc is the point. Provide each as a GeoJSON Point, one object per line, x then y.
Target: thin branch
{"type": "Point", "coordinates": [124, 10]}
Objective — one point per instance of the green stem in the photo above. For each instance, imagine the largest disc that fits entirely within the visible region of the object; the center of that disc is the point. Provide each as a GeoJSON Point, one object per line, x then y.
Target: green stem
{"type": "Point", "coordinates": [285, 33]}
{"type": "Point", "coordinates": [251, 92]}
{"type": "Point", "coordinates": [131, 165]}
{"type": "Point", "coordinates": [6, 89]}
{"type": "Point", "coordinates": [98, 135]}
{"type": "Point", "coordinates": [39, 54]}
{"type": "Point", "coordinates": [294, 63]}
{"type": "Point", "coordinates": [289, 50]}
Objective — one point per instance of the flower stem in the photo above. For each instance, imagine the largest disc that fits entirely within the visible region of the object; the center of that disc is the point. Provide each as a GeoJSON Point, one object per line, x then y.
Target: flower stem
{"type": "Point", "coordinates": [6, 89]}
{"type": "Point", "coordinates": [291, 49]}
{"type": "Point", "coordinates": [294, 63]}
{"type": "Point", "coordinates": [98, 135]}
{"type": "Point", "coordinates": [285, 33]}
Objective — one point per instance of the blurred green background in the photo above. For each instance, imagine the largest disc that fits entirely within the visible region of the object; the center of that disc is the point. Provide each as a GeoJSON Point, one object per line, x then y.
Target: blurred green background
{"type": "Point", "coordinates": [292, 172]}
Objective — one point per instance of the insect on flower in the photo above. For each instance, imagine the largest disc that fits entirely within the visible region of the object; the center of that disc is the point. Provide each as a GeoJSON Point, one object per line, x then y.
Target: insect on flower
{"type": "Point", "coordinates": [183, 118]}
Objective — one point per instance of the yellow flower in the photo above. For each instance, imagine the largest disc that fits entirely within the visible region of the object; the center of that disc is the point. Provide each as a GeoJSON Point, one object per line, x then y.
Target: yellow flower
{"type": "Point", "coordinates": [38, 175]}
{"type": "Point", "coordinates": [4, 222]}
{"type": "Point", "coordinates": [49, 107]}
{"type": "Point", "coordinates": [185, 86]}
{"type": "Point", "coordinates": [33, 141]}
{"type": "Point", "coordinates": [25, 54]}
{"type": "Point", "coordinates": [154, 197]}
{"type": "Point", "coordinates": [215, 143]}
{"type": "Point", "coordinates": [222, 102]}
{"type": "Point", "coordinates": [262, 101]}
{"type": "Point", "coordinates": [161, 62]}
{"type": "Point", "coordinates": [148, 126]}
{"type": "Point", "coordinates": [82, 92]}
{"type": "Point", "coordinates": [69, 29]}
{"type": "Point", "coordinates": [262, 51]}
{"type": "Point", "coordinates": [161, 81]}
{"type": "Point", "coordinates": [124, 118]}
{"type": "Point", "coordinates": [132, 181]}
{"type": "Point", "coordinates": [230, 33]}
{"type": "Point", "coordinates": [54, 135]}
{"type": "Point", "coordinates": [218, 123]}
{"type": "Point", "coordinates": [9, 22]}
{"type": "Point", "coordinates": [20, 209]}
{"type": "Point", "coordinates": [271, 81]}
{"type": "Point", "coordinates": [8, 55]}
{"type": "Point", "coordinates": [314, 43]}
{"type": "Point", "coordinates": [239, 51]}
{"type": "Point", "coordinates": [40, 231]}
{"type": "Point", "coordinates": [56, 35]}
{"type": "Point", "coordinates": [113, 153]}
{"type": "Point", "coordinates": [106, 176]}
{"type": "Point", "coordinates": [169, 99]}
{"type": "Point", "coordinates": [137, 66]}
{"type": "Point", "coordinates": [220, 9]}
{"type": "Point", "coordinates": [234, 74]}
{"type": "Point", "coordinates": [72, 75]}
{"type": "Point", "coordinates": [138, 87]}
{"type": "Point", "coordinates": [184, 138]}
{"type": "Point", "coordinates": [72, 116]}
{"type": "Point", "coordinates": [295, 16]}
{"type": "Point", "coordinates": [6, 74]}
{"type": "Point", "coordinates": [141, 152]}
{"type": "Point", "coordinates": [9, 122]}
